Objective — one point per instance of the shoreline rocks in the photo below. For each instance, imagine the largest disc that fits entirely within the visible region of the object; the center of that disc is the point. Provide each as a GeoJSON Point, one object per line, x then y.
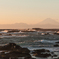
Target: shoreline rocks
{"type": "Point", "coordinates": [56, 45]}
{"type": "Point", "coordinates": [12, 50]}
{"type": "Point", "coordinates": [57, 42]}
{"type": "Point", "coordinates": [44, 53]}
{"type": "Point", "coordinates": [41, 53]}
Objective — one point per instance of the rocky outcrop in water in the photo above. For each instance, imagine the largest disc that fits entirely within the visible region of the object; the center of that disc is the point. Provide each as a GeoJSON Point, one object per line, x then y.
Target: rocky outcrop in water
{"type": "Point", "coordinates": [56, 42]}
{"type": "Point", "coordinates": [56, 45]}
{"type": "Point", "coordinates": [10, 46]}
{"type": "Point", "coordinates": [41, 53]}
{"type": "Point", "coordinates": [14, 51]}
{"type": "Point", "coordinates": [13, 31]}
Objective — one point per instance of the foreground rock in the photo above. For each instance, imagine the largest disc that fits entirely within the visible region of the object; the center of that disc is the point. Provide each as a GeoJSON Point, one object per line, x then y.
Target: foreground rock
{"type": "Point", "coordinates": [56, 45]}
{"type": "Point", "coordinates": [41, 53]}
{"type": "Point", "coordinates": [10, 46]}
{"type": "Point", "coordinates": [56, 42]}
{"type": "Point", "coordinates": [44, 53]}
{"type": "Point", "coordinates": [14, 51]}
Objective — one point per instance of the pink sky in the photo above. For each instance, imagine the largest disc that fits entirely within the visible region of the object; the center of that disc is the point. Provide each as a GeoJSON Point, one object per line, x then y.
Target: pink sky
{"type": "Point", "coordinates": [28, 11]}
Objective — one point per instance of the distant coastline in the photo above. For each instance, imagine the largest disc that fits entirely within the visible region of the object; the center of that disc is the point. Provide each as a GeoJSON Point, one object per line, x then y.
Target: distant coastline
{"type": "Point", "coordinates": [37, 29]}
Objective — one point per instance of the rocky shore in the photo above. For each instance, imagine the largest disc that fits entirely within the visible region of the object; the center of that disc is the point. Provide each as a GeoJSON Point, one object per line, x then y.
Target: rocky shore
{"type": "Point", "coordinates": [13, 51]}
{"type": "Point", "coordinates": [43, 53]}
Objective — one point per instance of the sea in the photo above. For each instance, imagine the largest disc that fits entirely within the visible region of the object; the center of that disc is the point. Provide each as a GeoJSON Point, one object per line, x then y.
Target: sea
{"type": "Point", "coordinates": [31, 40]}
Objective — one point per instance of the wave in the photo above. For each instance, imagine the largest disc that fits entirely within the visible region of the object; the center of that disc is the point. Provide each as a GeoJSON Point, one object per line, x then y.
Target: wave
{"type": "Point", "coordinates": [5, 31]}
{"type": "Point", "coordinates": [48, 48]}
{"type": "Point", "coordinates": [46, 41]}
{"type": "Point", "coordinates": [13, 36]}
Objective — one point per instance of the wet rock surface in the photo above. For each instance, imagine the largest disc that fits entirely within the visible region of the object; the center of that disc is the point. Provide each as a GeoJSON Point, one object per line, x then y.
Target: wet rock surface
{"type": "Point", "coordinates": [56, 42]}
{"type": "Point", "coordinates": [43, 53]}
{"type": "Point", "coordinates": [10, 46]}
{"type": "Point", "coordinates": [13, 51]}
{"type": "Point", "coordinates": [56, 45]}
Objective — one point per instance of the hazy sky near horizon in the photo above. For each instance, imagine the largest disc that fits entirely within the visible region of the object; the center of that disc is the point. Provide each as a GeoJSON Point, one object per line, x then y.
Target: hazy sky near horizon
{"type": "Point", "coordinates": [28, 11]}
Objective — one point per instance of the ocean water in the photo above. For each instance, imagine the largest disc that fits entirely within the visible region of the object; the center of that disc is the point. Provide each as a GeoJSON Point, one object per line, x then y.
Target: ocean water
{"type": "Point", "coordinates": [31, 40]}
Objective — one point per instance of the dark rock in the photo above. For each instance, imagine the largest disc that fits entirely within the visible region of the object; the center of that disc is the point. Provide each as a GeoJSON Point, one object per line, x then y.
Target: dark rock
{"type": "Point", "coordinates": [5, 57]}
{"type": "Point", "coordinates": [13, 58]}
{"type": "Point", "coordinates": [14, 51]}
{"type": "Point", "coordinates": [56, 45]}
{"type": "Point", "coordinates": [13, 31]}
{"type": "Point", "coordinates": [56, 42]}
{"type": "Point", "coordinates": [40, 50]}
{"type": "Point", "coordinates": [14, 47]}
{"type": "Point", "coordinates": [25, 50]}
{"type": "Point", "coordinates": [46, 33]}
{"type": "Point", "coordinates": [0, 34]}
{"type": "Point", "coordinates": [52, 52]}
{"type": "Point", "coordinates": [55, 55]}
{"type": "Point", "coordinates": [27, 58]}
{"type": "Point", "coordinates": [10, 46]}
{"type": "Point", "coordinates": [41, 53]}
{"type": "Point", "coordinates": [18, 54]}
{"type": "Point", "coordinates": [56, 33]}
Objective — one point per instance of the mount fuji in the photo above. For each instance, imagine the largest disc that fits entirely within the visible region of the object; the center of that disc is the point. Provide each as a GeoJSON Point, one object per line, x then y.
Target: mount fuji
{"type": "Point", "coordinates": [48, 23]}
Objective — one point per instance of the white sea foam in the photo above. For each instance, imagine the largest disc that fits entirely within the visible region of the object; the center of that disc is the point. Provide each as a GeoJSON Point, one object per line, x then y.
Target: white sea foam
{"type": "Point", "coordinates": [46, 41]}
{"type": "Point", "coordinates": [5, 31]}
{"type": "Point", "coordinates": [13, 36]}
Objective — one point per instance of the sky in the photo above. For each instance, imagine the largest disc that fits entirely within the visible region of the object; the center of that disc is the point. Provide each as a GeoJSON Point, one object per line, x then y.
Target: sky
{"type": "Point", "coordinates": [28, 11]}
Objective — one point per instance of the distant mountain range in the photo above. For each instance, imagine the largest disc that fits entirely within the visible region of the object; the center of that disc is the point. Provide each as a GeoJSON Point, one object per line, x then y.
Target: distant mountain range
{"type": "Point", "coordinates": [47, 23]}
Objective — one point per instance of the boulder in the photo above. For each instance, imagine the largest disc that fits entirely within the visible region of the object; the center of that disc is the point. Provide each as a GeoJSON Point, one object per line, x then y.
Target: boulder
{"type": "Point", "coordinates": [10, 46]}
{"type": "Point", "coordinates": [18, 54]}
{"type": "Point", "coordinates": [56, 45]}
{"type": "Point", "coordinates": [40, 50]}
{"type": "Point", "coordinates": [29, 58]}
{"type": "Point", "coordinates": [25, 50]}
{"type": "Point", "coordinates": [56, 33]}
{"type": "Point", "coordinates": [41, 53]}
{"type": "Point", "coordinates": [14, 47]}
{"type": "Point", "coordinates": [56, 42]}
{"type": "Point", "coordinates": [13, 31]}
{"type": "Point", "coordinates": [15, 51]}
